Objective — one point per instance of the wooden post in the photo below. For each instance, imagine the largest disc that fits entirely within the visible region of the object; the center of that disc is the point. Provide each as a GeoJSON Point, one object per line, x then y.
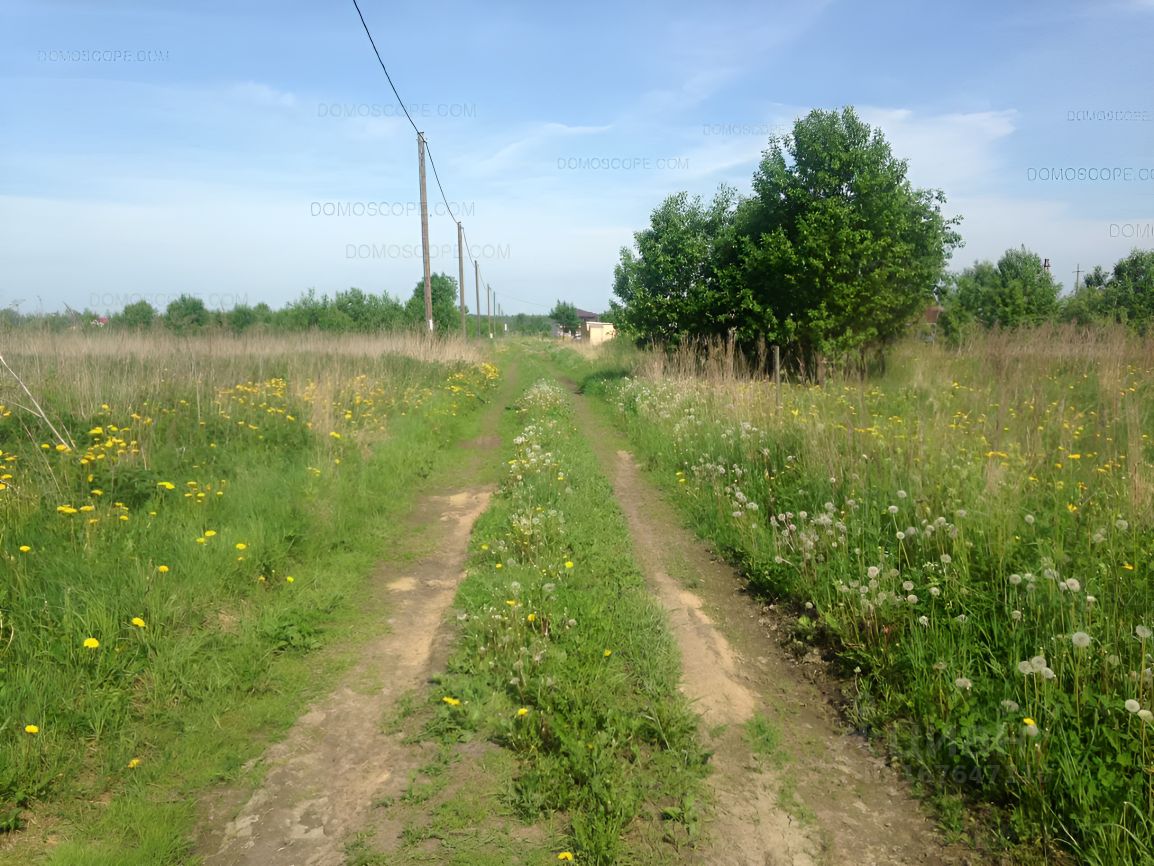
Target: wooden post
{"type": "Point", "coordinates": [477, 286]}
{"type": "Point", "coordinates": [461, 273]}
{"type": "Point", "coordinates": [425, 233]}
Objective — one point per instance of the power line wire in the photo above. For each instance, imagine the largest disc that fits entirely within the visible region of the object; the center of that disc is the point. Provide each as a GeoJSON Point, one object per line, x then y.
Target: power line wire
{"type": "Point", "coordinates": [372, 42]}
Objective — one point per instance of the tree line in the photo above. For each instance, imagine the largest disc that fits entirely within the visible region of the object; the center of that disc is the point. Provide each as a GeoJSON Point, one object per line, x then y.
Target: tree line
{"type": "Point", "coordinates": [833, 254]}
{"type": "Point", "coordinates": [351, 311]}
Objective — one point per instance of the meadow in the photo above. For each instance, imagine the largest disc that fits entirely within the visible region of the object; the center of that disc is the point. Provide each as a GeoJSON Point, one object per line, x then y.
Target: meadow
{"type": "Point", "coordinates": [176, 515]}
{"type": "Point", "coordinates": [967, 539]}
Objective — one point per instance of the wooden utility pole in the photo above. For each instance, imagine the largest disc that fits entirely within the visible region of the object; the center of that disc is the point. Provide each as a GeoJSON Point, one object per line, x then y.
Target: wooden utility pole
{"type": "Point", "coordinates": [425, 233]}
{"type": "Point", "coordinates": [489, 308]}
{"type": "Point", "coordinates": [477, 286]}
{"type": "Point", "coordinates": [461, 273]}
{"type": "Point", "coordinates": [1077, 274]}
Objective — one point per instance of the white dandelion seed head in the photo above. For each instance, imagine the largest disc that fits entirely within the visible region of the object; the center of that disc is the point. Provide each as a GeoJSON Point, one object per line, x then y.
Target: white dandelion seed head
{"type": "Point", "coordinates": [923, 620]}
{"type": "Point", "coordinates": [901, 536]}
{"type": "Point", "coordinates": [961, 512]}
{"type": "Point", "coordinates": [1015, 579]}
{"type": "Point", "coordinates": [809, 605]}
{"type": "Point", "coordinates": [1025, 668]}
{"type": "Point", "coordinates": [1030, 519]}
{"type": "Point", "coordinates": [1010, 706]}
{"type": "Point", "coordinates": [901, 494]}
{"type": "Point", "coordinates": [939, 666]}
{"type": "Point", "coordinates": [946, 559]}
{"type": "Point", "coordinates": [1038, 663]}
{"type": "Point", "coordinates": [907, 585]}
{"type": "Point", "coordinates": [1146, 715]}
{"type": "Point", "coordinates": [873, 571]}
{"type": "Point", "coordinates": [912, 599]}
{"type": "Point", "coordinates": [961, 617]}
{"type": "Point", "coordinates": [1030, 730]}
{"type": "Point", "coordinates": [1132, 706]}
{"type": "Point", "coordinates": [935, 591]}
{"type": "Point", "coordinates": [1091, 600]}
{"type": "Point", "coordinates": [1016, 615]}
{"type": "Point", "coordinates": [1143, 632]}
{"type": "Point", "coordinates": [1048, 674]}
{"type": "Point", "coordinates": [963, 683]}
{"type": "Point", "coordinates": [1080, 639]}
{"type": "Point", "coordinates": [1121, 524]}
{"type": "Point", "coordinates": [893, 509]}
{"type": "Point", "coordinates": [1073, 584]}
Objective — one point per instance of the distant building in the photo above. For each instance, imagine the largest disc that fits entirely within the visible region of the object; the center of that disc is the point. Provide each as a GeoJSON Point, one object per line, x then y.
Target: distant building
{"type": "Point", "coordinates": [599, 332]}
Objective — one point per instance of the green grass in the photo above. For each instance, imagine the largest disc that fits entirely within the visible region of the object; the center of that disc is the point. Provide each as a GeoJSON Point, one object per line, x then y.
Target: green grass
{"type": "Point", "coordinates": [564, 659]}
{"type": "Point", "coordinates": [209, 541]}
{"type": "Point", "coordinates": [941, 527]}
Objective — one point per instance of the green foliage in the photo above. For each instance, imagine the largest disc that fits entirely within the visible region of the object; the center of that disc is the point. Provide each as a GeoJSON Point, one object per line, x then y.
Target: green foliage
{"type": "Point", "coordinates": [835, 250]}
{"type": "Point", "coordinates": [185, 314]}
{"type": "Point", "coordinates": [1015, 292]}
{"type": "Point", "coordinates": [565, 315]}
{"type": "Point", "coordinates": [446, 305]}
{"type": "Point", "coordinates": [1125, 295]}
{"type": "Point", "coordinates": [139, 314]}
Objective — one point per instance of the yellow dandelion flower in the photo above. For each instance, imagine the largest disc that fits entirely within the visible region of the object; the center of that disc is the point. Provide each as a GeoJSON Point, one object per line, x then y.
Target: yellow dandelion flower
{"type": "Point", "coordinates": [24, 548]}
{"type": "Point", "coordinates": [134, 763]}
{"type": "Point", "coordinates": [565, 855]}
{"type": "Point", "coordinates": [202, 540]}
{"type": "Point", "coordinates": [452, 702]}
{"type": "Point", "coordinates": [138, 622]}
{"type": "Point", "coordinates": [91, 643]}
{"type": "Point", "coordinates": [240, 545]}
{"type": "Point", "coordinates": [209, 533]}
{"type": "Point", "coordinates": [484, 547]}
{"type": "Point", "coordinates": [499, 565]}
{"type": "Point", "coordinates": [1029, 723]}
{"type": "Point", "coordinates": [31, 729]}
{"type": "Point", "coordinates": [289, 579]}
{"type": "Point", "coordinates": [524, 711]}
{"type": "Point", "coordinates": [512, 602]}
{"type": "Point", "coordinates": [531, 618]}
{"type": "Point", "coordinates": [607, 653]}
{"type": "Point", "coordinates": [163, 569]}
{"type": "Point", "coordinates": [568, 564]}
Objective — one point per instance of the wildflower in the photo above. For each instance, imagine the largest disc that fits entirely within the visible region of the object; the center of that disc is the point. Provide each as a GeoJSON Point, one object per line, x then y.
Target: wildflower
{"type": "Point", "coordinates": [565, 855]}
{"type": "Point", "coordinates": [531, 618]}
{"type": "Point", "coordinates": [1030, 727]}
{"type": "Point", "coordinates": [961, 617]}
{"type": "Point", "coordinates": [1010, 706]}
{"type": "Point", "coordinates": [499, 565]}
{"type": "Point", "coordinates": [923, 620]}
{"type": "Point", "coordinates": [524, 711]}
{"type": "Point", "coordinates": [901, 494]}
{"type": "Point", "coordinates": [568, 564]}
{"type": "Point", "coordinates": [484, 547]}
{"type": "Point", "coordinates": [1048, 673]}
{"type": "Point", "coordinates": [289, 579]}
{"type": "Point", "coordinates": [873, 571]}
{"type": "Point", "coordinates": [1025, 668]}
{"type": "Point", "coordinates": [163, 569]}
{"type": "Point", "coordinates": [1146, 715]}
{"type": "Point", "coordinates": [240, 545]}
{"type": "Point", "coordinates": [908, 585]}
{"type": "Point", "coordinates": [963, 683]}
{"type": "Point", "coordinates": [1132, 706]}
{"type": "Point", "coordinates": [1030, 519]}
{"type": "Point", "coordinates": [1143, 632]}
{"type": "Point", "coordinates": [452, 702]}
{"type": "Point", "coordinates": [512, 602]}
{"type": "Point", "coordinates": [946, 559]}
{"type": "Point", "coordinates": [607, 653]}
{"type": "Point", "coordinates": [912, 599]}
{"type": "Point", "coordinates": [31, 729]}
{"type": "Point", "coordinates": [1016, 615]}
{"type": "Point", "coordinates": [1073, 584]}
{"type": "Point", "coordinates": [209, 533]}
{"type": "Point", "coordinates": [1015, 579]}
{"type": "Point", "coordinates": [138, 622]}
{"type": "Point", "coordinates": [1080, 639]}
{"type": "Point", "coordinates": [1038, 663]}
{"type": "Point", "coordinates": [935, 591]}
{"type": "Point", "coordinates": [91, 643]}
{"type": "Point", "coordinates": [134, 763]}
{"type": "Point", "coordinates": [24, 548]}
{"type": "Point", "coordinates": [893, 509]}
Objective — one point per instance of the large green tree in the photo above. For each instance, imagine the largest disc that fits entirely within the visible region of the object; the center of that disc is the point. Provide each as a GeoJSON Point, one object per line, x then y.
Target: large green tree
{"type": "Point", "coordinates": [834, 251]}
{"type": "Point", "coordinates": [1015, 292]}
{"type": "Point", "coordinates": [565, 315]}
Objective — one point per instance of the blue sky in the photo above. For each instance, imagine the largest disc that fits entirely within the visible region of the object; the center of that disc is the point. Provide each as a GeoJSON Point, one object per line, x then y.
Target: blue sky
{"type": "Point", "coordinates": [208, 156]}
